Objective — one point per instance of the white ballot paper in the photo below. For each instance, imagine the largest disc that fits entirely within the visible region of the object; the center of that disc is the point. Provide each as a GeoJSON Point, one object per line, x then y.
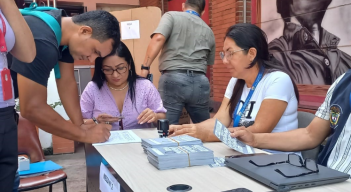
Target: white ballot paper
{"type": "Point", "coordinates": [119, 137]}
{"type": "Point", "coordinates": [223, 134]}
{"type": "Point", "coordinates": [130, 30]}
{"type": "Point", "coordinates": [107, 182]}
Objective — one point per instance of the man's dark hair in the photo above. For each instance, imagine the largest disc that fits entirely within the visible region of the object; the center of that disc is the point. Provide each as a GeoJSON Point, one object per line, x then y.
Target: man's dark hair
{"type": "Point", "coordinates": [283, 8]}
{"type": "Point", "coordinates": [105, 26]}
{"type": "Point", "coordinates": [197, 5]}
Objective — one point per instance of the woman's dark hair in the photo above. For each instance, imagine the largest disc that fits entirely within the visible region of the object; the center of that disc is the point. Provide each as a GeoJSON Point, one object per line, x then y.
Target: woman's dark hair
{"type": "Point", "coordinates": [123, 52]}
{"type": "Point", "coordinates": [248, 36]}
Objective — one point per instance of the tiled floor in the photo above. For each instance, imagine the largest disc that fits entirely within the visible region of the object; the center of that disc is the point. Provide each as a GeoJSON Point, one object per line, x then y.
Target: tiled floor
{"type": "Point", "coordinates": [74, 166]}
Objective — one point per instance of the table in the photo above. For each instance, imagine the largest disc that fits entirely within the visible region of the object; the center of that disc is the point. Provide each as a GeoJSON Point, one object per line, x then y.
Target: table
{"type": "Point", "coordinates": [135, 173]}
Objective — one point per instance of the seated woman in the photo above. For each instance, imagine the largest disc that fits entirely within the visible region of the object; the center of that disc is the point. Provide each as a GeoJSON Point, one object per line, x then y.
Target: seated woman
{"type": "Point", "coordinates": [117, 96]}
{"type": "Point", "coordinates": [260, 95]}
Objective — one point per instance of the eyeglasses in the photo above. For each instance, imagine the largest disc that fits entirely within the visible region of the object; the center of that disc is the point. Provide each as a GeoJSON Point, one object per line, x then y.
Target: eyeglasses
{"type": "Point", "coordinates": [110, 71]}
{"type": "Point", "coordinates": [228, 55]}
{"type": "Point", "coordinates": [294, 160]}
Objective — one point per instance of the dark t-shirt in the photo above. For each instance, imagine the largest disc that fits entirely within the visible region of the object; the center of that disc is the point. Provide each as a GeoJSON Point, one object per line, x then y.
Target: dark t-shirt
{"type": "Point", "coordinates": [48, 52]}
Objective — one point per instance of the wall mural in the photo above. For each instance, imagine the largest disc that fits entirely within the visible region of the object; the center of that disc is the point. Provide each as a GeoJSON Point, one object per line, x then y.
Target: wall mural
{"type": "Point", "coordinates": [311, 38]}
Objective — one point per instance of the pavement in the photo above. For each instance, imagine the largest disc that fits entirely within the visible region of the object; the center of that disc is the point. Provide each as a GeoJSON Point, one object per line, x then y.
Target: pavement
{"type": "Point", "coordinates": [74, 166]}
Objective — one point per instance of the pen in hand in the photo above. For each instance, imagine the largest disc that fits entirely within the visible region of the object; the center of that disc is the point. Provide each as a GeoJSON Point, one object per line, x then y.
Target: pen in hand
{"type": "Point", "coordinates": [95, 121]}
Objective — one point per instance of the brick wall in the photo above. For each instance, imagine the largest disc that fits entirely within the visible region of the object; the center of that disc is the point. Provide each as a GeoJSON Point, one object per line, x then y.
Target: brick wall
{"type": "Point", "coordinates": [210, 68]}
{"type": "Point", "coordinates": [156, 3]}
{"type": "Point", "coordinates": [223, 14]}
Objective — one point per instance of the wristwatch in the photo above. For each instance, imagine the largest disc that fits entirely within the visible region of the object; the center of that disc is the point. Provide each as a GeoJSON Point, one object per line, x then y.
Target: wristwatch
{"type": "Point", "coordinates": [144, 67]}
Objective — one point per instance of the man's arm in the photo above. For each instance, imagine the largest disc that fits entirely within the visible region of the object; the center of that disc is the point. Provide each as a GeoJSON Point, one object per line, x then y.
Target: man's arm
{"type": "Point", "coordinates": [155, 46]}
{"type": "Point", "coordinates": [33, 98]}
{"type": "Point", "coordinates": [68, 92]}
{"type": "Point", "coordinates": [31, 80]}
{"type": "Point", "coordinates": [34, 108]}
{"type": "Point", "coordinates": [24, 49]}
{"type": "Point", "coordinates": [295, 140]}
{"type": "Point", "coordinates": [299, 139]}
{"type": "Point", "coordinates": [212, 54]}
{"type": "Point", "coordinates": [158, 39]}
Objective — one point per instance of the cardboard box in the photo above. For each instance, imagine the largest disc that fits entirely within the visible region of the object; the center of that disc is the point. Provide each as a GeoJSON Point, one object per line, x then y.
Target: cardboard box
{"type": "Point", "coordinates": [149, 18]}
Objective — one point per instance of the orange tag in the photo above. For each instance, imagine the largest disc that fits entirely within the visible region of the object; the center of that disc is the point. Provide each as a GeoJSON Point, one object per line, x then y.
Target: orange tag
{"type": "Point", "coordinates": [6, 82]}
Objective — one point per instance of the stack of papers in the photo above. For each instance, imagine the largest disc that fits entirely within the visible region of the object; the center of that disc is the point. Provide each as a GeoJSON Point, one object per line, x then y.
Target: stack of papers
{"type": "Point", "coordinates": [223, 134]}
{"type": "Point", "coordinates": [179, 157]}
{"type": "Point", "coordinates": [181, 140]}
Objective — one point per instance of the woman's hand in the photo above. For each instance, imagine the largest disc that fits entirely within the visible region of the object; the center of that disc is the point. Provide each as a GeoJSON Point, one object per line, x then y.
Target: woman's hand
{"type": "Point", "coordinates": [107, 119]}
{"type": "Point", "coordinates": [147, 116]}
{"type": "Point", "coordinates": [186, 129]}
{"type": "Point", "coordinates": [244, 135]}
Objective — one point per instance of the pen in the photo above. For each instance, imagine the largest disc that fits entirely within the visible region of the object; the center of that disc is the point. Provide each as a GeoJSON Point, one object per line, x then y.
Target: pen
{"type": "Point", "coordinates": [95, 121]}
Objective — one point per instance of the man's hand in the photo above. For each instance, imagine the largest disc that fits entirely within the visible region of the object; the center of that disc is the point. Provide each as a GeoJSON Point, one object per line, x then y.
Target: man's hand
{"type": "Point", "coordinates": [97, 133]}
{"type": "Point", "coordinates": [244, 135]}
{"type": "Point", "coordinates": [147, 116]}
{"type": "Point", "coordinates": [107, 119]}
{"type": "Point", "coordinates": [186, 129]}
{"type": "Point", "coordinates": [144, 73]}
{"type": "Point", "coordinates": [86, 127]}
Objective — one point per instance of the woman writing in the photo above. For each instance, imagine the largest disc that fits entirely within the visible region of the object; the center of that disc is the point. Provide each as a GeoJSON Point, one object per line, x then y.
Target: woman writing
{"type": "Point", "coordinates": [117, 96]}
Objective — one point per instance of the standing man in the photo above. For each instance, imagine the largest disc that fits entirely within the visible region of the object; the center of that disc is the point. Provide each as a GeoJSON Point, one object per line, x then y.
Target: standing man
{"type": "Point", "coordinates": [89, 35]}
{"type": "Point", "coordinates": [188, 46]}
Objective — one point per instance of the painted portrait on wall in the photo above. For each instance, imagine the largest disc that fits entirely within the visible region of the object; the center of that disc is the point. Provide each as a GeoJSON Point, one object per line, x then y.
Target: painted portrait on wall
{"type": "Point", "coordinates": [311, 38]}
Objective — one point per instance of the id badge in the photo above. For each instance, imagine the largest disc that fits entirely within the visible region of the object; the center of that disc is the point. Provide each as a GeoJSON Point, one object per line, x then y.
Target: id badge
{"type": "Point", "coordinates": [6, 82]}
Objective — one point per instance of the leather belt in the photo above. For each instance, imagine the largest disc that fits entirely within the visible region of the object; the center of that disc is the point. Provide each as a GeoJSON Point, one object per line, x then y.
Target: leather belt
{"type": "Point", "coordinates": [184, 71]}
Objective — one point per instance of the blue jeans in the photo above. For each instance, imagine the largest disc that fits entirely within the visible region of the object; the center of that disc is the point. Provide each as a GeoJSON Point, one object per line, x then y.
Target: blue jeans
{"type": "Point", "coordinates": [189, 90]}
{"type": "Point", "coordinates": [17, 182]}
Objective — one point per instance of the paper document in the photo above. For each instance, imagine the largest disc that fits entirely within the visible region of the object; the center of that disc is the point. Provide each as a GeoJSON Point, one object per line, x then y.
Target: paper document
{"type": "Point", "coordinates": [218, 162]}
{"type": "Point", "coordinates": [118, 137]}
{"type": "Point", "coordinates": [130, 30]}
{"type": "Point", "coordinates": [107, 183]}
{"type": "Point", "coordinates": [223, 134]}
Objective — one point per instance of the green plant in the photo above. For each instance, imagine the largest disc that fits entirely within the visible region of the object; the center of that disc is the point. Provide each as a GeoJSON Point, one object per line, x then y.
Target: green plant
{"type": "Point", "coordinates": [53, 105]}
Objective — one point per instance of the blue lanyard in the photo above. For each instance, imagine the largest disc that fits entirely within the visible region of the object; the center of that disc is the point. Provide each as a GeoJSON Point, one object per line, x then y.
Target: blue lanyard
{"type": "Point", "coordinates": [237, 117]}
{"type": "Point", "coordinates": [193, 12]}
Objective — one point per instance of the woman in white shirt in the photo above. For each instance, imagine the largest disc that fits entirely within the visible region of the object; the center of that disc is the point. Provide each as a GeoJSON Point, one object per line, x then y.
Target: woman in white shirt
{"type": "Point", "coordinates": [259, 81]}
